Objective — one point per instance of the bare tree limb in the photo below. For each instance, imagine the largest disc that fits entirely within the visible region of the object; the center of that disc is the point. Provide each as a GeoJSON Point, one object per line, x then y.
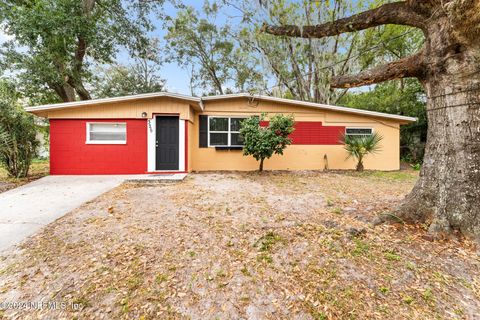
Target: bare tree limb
{"type": "Point", "coordinates": [80, 54]}
{"type": "Point", "coordinates": [80, 89]}
{"type": "Point", "coordinates": [76, 79]}
{"type": "Point", "coordinates": [298, 74]}
{"type": "Point", "coordinates": [411, 66]}
{"type": "Point", "coordinates": [391, 13]}
{"type": "Point", "coordinates": [64, 91]}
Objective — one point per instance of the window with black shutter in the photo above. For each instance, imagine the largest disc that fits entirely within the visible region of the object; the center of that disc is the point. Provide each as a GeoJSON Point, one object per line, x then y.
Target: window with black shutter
{"type": "Point", "coordinates": [203, 135]}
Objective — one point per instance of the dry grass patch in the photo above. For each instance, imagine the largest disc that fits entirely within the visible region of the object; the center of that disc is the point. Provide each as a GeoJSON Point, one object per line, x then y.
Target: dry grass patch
{"type": "Point", "coordinates": [38, 169]}
{"type": "Point", "coordinates": [244, 245]}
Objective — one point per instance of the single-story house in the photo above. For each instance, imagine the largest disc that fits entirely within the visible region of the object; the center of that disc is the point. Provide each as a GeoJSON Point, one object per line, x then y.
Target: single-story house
{"type": "Point", "coordinates": [169, 132]}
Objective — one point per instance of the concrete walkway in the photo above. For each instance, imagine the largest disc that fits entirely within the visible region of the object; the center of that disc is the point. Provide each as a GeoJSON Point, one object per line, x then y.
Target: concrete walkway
{"type": "Point", "coordinates": [26, 209]}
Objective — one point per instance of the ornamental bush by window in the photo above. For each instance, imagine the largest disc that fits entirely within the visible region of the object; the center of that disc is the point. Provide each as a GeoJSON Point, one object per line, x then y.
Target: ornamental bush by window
{"type": "Point", "coordinates": [263, 139]}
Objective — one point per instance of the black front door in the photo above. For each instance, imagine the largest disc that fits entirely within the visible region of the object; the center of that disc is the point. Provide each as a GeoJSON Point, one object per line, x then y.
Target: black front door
{"type": "Point", "coordinates": [167, 146]}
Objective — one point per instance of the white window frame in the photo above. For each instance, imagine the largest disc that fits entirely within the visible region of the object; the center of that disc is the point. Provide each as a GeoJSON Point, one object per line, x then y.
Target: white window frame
{"type": "Point", "coordinates": [88, 141]}
{"type": "Point", "coordinates": [359, 134]}
{"type": "Point", "coordinates": [229, 132]}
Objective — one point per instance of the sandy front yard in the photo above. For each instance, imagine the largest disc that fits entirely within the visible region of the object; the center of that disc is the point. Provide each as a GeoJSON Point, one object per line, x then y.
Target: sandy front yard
{"type": "Point", "coordinates": [243, 245]}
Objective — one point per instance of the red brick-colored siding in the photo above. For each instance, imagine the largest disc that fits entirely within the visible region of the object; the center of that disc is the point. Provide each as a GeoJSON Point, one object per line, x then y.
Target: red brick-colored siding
{"type": "Point", "coordinates": [308, 132]}
{"type": "Point", "coordinates": [315, 133]}
{"type": "Point", "coordinates": [69, 154]}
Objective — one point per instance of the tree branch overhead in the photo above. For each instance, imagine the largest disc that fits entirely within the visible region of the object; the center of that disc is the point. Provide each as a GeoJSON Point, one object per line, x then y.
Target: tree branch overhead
{"type": "Point", "coordinates": [400, 13]}
{"type": "Point", "coordinates": [391, 13]}
{"type": "Point", "coordinates": [411, 66]}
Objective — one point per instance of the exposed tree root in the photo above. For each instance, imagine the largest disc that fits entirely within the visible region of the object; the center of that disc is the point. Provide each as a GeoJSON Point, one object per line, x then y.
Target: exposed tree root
{"type": "Point", "coordinates": [419, 208]}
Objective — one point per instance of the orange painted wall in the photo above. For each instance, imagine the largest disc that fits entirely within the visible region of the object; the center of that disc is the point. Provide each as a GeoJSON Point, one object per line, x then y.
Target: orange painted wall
{"type": "Point", "coordinates": [297, 157]}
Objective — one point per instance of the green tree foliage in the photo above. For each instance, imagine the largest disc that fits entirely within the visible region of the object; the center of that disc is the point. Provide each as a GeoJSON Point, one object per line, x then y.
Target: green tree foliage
{"type": "Point", "coordinates": [404, 97]}
{"type": "Point", "coordinates": [390, 43]}
{"type": "Point", "coordinates": [18, 142]}
{"type": "Point", "coordinates": [358, 147]}
{"type": "Point", "coordinates": [55, 42]}
{"type": "Point", "coordinates": [120, 80]}
{"type": "Point", "coordinates": [218, 65]}
{"type": "Point", "coordinates": [398, 97]}
{"type": "Point", "coordinates": [262, 142]}
{"type": "Point", "coordinates": [300, 68]}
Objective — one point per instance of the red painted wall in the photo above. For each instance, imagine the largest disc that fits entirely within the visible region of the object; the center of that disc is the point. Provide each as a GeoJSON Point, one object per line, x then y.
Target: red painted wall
{"type": "Point", "coordinates": [307, 132]}
{"type": "Point", "coordinates": [315, 133]}
{"type": "Point", "coordinates": [69, 154]}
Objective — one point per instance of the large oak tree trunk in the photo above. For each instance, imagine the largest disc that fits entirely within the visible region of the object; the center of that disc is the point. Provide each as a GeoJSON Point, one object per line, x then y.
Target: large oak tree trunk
{"type": "Point", "coordinates": [447, 193]}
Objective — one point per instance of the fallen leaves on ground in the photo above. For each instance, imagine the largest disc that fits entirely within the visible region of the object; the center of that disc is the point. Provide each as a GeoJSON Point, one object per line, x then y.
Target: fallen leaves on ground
{"type": "Point", "coordinates": [276, 245]}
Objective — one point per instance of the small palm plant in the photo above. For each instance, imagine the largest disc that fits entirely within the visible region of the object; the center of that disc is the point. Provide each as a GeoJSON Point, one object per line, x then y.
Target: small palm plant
{"type": "Point", "coordinates": [358, 147]}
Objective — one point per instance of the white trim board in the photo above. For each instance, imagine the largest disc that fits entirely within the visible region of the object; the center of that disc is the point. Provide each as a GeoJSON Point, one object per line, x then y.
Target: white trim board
{"type": "Point", "coordinates": [151, 137]}
{"type": "Point", "coordinates": [228, 132]}
{"type": "Point", "coordinates": [110, 100]}
{"type": "Point", "coordinates": [181, 145]}
{"type": "Point", "coordinates": [88, 127]}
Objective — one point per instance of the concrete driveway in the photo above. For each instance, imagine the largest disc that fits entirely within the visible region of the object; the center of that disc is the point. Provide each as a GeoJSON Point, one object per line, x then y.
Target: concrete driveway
{"type": "Point", "coordinates": [26, 209]}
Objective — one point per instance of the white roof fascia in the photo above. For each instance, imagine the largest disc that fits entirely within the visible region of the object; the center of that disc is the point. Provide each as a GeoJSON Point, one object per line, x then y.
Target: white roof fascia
{"type": "Point", "coordinates": [219, 97]}
{"type": "Point", "coordinates": [111, 100]}
{"type": "Point", "coordinates": [312, 105]}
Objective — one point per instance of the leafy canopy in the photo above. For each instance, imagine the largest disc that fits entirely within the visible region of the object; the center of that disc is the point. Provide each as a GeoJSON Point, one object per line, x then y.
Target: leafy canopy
{"type": "Point", "coordinates": [53, 43]}
{"type": "Point", "coordinates": [262, 141]}
{"type": "Point", "coordinates": [119, 80]}
{"type": "Point", "coordinates": [300, 68]}
{"type": "Point", "coordinates": [218, 65]}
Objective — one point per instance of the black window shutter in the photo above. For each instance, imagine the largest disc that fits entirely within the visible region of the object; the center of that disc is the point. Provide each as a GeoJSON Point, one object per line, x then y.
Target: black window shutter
{"type": "Point", "coordinates": [203, 131]}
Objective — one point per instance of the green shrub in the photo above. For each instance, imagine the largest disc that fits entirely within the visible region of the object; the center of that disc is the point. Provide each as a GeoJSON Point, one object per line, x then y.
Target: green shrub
{"type": "Point", "coordinates": [18, 142]}
{"type": "Point", "coordinates": [263, 141]}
